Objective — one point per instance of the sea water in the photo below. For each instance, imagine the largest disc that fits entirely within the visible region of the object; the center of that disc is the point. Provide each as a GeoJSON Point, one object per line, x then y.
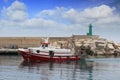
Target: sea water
{"type": "Point", "coordinates": [14, 68]}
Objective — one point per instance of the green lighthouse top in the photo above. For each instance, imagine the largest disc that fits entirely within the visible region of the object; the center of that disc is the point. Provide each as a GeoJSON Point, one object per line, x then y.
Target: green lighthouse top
{"type": "Point", "coordinates": [90, 30]}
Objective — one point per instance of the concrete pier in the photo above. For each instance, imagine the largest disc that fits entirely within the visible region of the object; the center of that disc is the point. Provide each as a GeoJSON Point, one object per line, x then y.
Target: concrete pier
{"type": "Point", "coordinates": [8, 52]}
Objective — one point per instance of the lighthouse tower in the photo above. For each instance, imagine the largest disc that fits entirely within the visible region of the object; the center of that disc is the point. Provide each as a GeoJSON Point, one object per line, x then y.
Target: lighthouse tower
{"type": "Point", "coordinates": [90, 30]}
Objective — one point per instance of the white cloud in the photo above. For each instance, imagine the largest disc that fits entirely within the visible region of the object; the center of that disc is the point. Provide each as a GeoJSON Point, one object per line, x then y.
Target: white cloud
{"type": "Point", "coordinates": [98, 12]}
{"type": "Point", "coordinates": [59, 21]}
{"type": "Point", "coordinates": [38, 22]}
{"type": "Point", "coordinates": [53, 14]}
{"type": "Point", "coordinates": [16, 12]}
{"type": "Point", "coordinates": [98, 15]}
{"type": "Point", "coordinates": [57, 12]}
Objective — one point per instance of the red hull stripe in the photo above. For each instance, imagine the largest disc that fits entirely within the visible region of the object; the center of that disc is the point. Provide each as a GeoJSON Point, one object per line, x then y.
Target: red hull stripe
{"type": "Point", "coordinates": [34, 57]}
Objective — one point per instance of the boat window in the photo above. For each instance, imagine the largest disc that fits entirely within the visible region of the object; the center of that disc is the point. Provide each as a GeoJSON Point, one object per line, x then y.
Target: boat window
{"type": "Point", "coordinates": [46, 45]}
{"type": "Point", "coordinates": [37, 51]}
{"type": "Point", "coordinates": [42, 45]}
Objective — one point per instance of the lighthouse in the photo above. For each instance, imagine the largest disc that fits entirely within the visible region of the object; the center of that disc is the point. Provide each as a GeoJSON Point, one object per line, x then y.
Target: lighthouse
{"type": "Point", "coordinates": [90, 30]}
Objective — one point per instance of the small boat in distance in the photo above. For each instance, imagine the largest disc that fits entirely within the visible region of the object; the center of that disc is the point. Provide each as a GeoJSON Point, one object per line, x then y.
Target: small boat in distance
{"type": "Point", "coordinates": [46, 52]}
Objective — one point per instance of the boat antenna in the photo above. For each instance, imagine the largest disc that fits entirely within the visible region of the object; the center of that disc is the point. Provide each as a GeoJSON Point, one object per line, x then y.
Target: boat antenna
{"type": "Point", "coordinates": [46, 39]}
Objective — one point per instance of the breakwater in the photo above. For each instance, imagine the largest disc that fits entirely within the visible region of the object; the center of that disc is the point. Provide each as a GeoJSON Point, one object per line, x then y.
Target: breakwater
{"type": "Point", "coordinates": [98, 45]}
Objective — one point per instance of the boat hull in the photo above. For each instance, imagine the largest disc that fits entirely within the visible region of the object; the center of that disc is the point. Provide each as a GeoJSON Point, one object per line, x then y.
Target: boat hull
{"type": "Point", "coordinates": [38, 57]}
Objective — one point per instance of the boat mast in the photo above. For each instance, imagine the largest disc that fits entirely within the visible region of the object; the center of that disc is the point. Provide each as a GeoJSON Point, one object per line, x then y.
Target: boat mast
{"type": "Point", "coordinates": [73, 47]}
{"type": "Point", "coordinates": [46, 39]}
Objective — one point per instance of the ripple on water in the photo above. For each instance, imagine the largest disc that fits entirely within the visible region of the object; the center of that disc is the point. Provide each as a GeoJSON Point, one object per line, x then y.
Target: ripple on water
{"type": "Point", "coordinates": [13, 68]}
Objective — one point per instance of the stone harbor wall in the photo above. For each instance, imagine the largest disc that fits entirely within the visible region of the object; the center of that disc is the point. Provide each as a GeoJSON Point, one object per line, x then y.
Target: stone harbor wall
{"type": "Point", "coordinates": [96, 44]}
{"type": "Point", "coordinates": [19, 42]}
{"type": "Point", "coordinates": [25, 42]}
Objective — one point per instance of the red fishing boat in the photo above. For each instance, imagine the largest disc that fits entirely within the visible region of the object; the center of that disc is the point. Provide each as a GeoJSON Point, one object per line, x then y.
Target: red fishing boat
{"type": "Point", "coordinates": [46, 52]}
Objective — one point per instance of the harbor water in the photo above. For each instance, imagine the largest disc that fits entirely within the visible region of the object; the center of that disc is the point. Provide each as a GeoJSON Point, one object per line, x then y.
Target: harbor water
{"type": "Point", "coordinates": [14, 68]}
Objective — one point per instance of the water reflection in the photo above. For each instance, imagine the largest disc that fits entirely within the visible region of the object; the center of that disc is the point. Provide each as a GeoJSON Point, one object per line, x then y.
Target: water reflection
{"type": "Point", "coordinates": [72, 70]}
{"type": "Point", "coordinates": [13, 68]}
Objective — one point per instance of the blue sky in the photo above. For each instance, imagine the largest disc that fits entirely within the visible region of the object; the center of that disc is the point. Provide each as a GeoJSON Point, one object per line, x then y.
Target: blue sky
{"type": "Point", "coordinates": [24, 18]}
